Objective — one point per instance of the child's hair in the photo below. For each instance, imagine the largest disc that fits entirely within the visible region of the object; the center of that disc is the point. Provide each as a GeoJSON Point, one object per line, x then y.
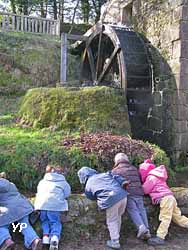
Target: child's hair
{"type": "Point", "coordinates": [54, 169]}
{"type": "Point", "coordinates": [3, 175]}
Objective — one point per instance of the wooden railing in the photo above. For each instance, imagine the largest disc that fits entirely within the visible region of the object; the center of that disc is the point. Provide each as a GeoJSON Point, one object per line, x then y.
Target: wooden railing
{"type": "Point", "coordinates": [21, 23]}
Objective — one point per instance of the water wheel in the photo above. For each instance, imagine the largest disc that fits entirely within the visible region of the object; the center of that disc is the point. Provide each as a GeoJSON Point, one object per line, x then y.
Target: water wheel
{"type": "Point", "coordinates": [117, 56]}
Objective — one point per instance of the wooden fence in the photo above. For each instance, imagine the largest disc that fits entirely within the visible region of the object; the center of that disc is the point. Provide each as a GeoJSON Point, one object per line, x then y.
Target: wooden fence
{"type": "Point", "coordinates": [21, 23]}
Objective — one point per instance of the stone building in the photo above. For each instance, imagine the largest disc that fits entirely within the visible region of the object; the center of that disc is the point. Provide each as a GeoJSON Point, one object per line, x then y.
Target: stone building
{"type": "Point", "coordinates": [163, 26]}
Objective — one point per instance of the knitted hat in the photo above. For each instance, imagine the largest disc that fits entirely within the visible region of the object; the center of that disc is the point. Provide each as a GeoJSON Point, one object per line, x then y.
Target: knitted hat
{"type": "Point", "coordinates": [120, 157]}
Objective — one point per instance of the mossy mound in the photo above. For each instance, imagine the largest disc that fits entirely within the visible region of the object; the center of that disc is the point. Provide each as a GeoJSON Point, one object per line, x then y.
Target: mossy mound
{"type": "Point", "coordinates": [76, 110]}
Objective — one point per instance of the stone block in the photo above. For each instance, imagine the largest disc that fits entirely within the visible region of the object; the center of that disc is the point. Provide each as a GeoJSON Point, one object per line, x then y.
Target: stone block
{"type": "Point", "coordinates": [184, 49]}
{"type": "Point", "coordinates": [181, 113]}
{"type": "Point", "coordinates": [181, 81]}
{"type": "Point", "coordinates": [184, 81]}
{"type": "Point", "coordinates": [176, 49]}
{"type": "Point", "coordinates": [181, 141]}
{"type": "Point", "coordinates": [168, 96]}
{"type": "Point", "coordinates": [175, 66]}
{"type": "Point", "coordinates": [176, 14]}
{"type": "Point", "coordinates": [181, 126]}
{"type": "Point", "coordinates": [184, 30]}
{"type": "Point", "coordinates": [184, 13]}
{"type": "Point", "coordinates": [181, 98]}
{"type": "Point", "coordinates": [184, 65]}
{"type": "Point", "coordinates": [171, 33]}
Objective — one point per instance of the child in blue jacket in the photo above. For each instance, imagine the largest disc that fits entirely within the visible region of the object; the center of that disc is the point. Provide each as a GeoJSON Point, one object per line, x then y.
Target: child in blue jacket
{"type": "Point", "coordinates": [109, 191]}
{"type": "Point", "coordinates": [52, 192]}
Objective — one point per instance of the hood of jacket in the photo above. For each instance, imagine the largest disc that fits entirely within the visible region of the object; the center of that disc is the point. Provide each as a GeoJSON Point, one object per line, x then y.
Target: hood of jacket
{"type": "Point", "coordinates": [54, 177]}
{"type": "Point", "coordinates": [160, 172]}
{"type": "Point", "coordinates": [145, 168]}
{"type": "Point", "coordinates": [84, 173]}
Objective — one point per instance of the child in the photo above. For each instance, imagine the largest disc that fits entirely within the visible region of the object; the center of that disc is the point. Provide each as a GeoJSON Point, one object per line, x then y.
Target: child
{"type": "Point", "coordinates": [52, 192]}
{"type": "Point", "coordinates": [154, 183]}
{"type": "Point", "coordinates": [135, 202]}
{"type": "Point", "coordinates": [107, 189]}
{"type": "Point", "coordinates": [15, 208]}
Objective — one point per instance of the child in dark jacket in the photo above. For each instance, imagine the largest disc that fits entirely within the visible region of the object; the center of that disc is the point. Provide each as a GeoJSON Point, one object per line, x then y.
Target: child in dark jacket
{"type": "Point", "coordinates": [15, 208]}
{"type": "Point", "coordinates": [154, 183]}
{"type": "Point", "coordinates": [135, 203]}
{"type": "Point", "coordinates": [107, 189]}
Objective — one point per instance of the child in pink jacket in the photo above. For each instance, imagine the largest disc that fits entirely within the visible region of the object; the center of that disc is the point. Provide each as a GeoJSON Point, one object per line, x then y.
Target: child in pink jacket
{"type": "Point", "coordinates": [154, 183]}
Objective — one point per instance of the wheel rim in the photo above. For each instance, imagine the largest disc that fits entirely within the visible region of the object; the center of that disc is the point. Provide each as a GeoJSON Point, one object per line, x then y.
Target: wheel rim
{"type": "Point", "coordinates": [101, 59]}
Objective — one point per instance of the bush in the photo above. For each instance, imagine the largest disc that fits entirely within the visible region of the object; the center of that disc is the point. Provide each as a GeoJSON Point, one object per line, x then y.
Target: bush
{"type": "Point", "coordinates": [25, 154]}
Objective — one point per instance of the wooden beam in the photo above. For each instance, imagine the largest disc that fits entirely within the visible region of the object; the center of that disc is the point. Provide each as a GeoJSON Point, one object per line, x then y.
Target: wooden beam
{"type": "Point", "coordinates": [63, 70]}
{"type": "Point", "coordinates": [107, 66]}
{"type": "Point", "coordinates": [98, 64]}
{"type": "Point", "coordinates": [91, 63]}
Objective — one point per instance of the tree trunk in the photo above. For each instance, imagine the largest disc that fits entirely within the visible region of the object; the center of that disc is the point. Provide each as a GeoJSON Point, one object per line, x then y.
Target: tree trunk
{"type": "Point", "coordinates": [85, 10]}
{"type": "Point", "coordinates": [13, 6]}
{"type": "Point", "coordinates": [55, 9]}
{"type": "Point", "coordinates": [73, 17]}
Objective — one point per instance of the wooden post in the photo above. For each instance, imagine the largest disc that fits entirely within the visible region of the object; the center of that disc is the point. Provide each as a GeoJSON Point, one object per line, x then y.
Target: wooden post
{"type": "Point", "coordinates": [63, 69]}
{"type": "Point", "coordinates": [25, 24]}
{"type": "Point", "coordinates": [22, 23]}
{"type": "Point", "coordinates": [13, 22]}
{"type": "Point", "coordinates": [44, 27]}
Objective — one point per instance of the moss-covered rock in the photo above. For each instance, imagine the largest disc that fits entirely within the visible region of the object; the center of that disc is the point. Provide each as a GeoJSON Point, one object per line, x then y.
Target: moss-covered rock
{"type": "Point", "coordinates": [83, 110]}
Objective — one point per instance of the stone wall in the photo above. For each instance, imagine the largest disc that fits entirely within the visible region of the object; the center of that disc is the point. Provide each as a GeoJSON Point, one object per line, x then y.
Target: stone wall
{"type": "Point", "coordinates": [164, 28]}
{"type": "Point", "coordinates": [165, 25]}
{"type": "Point", "coordinates": [85, 219]}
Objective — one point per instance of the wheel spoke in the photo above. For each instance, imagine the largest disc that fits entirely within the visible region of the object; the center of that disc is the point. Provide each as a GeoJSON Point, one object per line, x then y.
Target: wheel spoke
{"type": "Point", "coordinates": [91, 63]}
{"type": "Point", "coordinates": [82, 64]}
{"type": "Point", "coordinates": [107, 66]}
{"type": "Point", "coordinates": [98, 64]}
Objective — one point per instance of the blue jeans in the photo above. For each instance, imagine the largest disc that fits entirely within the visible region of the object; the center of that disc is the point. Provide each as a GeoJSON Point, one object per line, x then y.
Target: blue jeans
{"type": "Point", "coordinates": [137, 211]}
{"type": "Point", "coordinates": [51, 223]}
{"type": "Point", "coordinates": [28, 232]}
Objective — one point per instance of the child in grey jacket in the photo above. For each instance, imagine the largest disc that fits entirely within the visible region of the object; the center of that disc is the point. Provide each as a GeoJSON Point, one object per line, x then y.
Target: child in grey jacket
{"type": "Point", "coordinates": [52, 192]}
{"type": "Point", "coordinates": [15, 209]}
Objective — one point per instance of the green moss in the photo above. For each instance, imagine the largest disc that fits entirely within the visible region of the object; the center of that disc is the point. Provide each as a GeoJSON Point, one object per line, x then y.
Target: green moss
{"type": "Point", "coordinates": [85, 110]}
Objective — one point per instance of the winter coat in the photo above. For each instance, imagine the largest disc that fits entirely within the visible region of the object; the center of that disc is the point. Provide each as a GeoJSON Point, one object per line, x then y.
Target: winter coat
{"type": "Point", "coordinates": [130, 172]}
{"type": "Point", "coordinates": [52, 192]}
{"type": "Point", "coordinates": [155, 184]}
{"type": "Point", "coordinates": [144, 169]}
{"type": "Point", "coordinates": [13, 205]}
{"type": "Point", "coordinates": [105, 188]}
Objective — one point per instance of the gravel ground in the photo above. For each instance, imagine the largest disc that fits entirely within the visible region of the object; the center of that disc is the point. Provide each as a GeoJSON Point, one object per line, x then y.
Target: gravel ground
{"type": "Point", "coordinates": [176, 240]}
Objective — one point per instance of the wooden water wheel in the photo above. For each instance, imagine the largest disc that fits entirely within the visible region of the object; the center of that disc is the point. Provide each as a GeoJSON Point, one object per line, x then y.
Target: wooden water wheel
{"type": "Point", "coordinates": [117, 56]}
